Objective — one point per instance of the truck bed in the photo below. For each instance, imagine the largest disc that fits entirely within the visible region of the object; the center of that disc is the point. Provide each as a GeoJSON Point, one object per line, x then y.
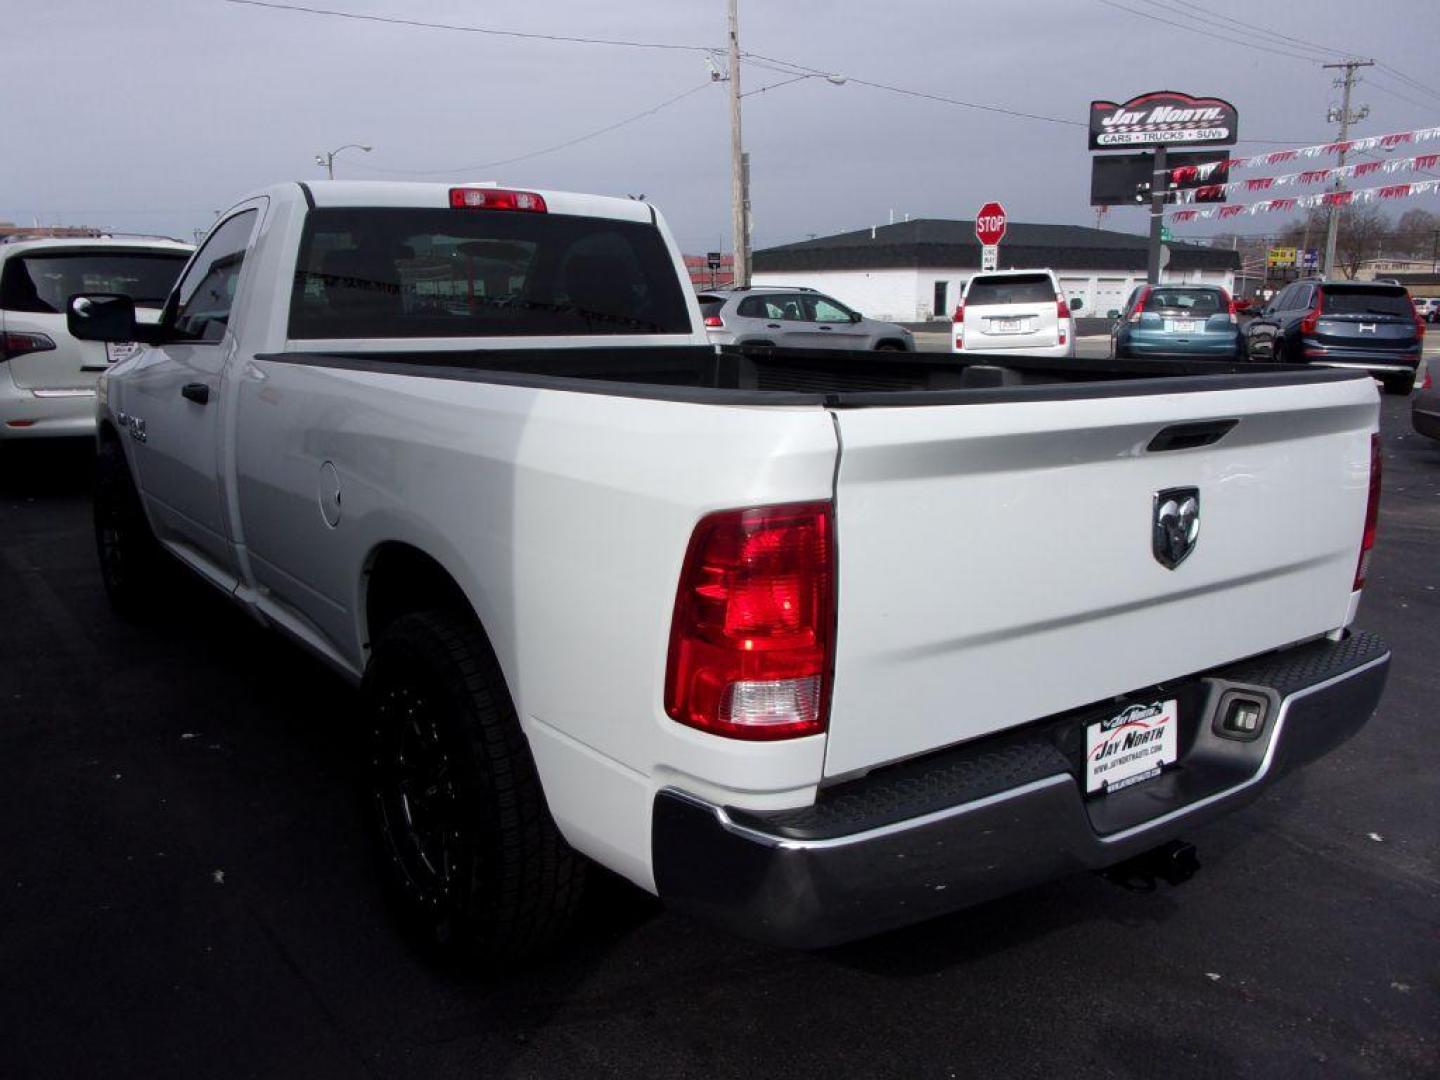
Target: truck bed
{"type": "Point", "coordinates": [833, 378]}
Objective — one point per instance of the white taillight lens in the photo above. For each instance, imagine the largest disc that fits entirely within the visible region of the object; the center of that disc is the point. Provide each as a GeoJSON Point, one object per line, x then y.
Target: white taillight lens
{"type": "Point", "coordinates": [754, 705]}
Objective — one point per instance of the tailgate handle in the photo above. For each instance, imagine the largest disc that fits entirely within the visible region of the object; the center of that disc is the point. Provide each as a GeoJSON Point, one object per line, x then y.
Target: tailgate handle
{"type": "Point", "coordinates": [1189, 436]}
{"type": "Point", "coordinates": [197, 392]}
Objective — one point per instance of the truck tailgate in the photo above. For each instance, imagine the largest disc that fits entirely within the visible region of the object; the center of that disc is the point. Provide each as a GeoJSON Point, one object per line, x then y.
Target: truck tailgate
{"type": "Point", "coordinates": [996, 564]}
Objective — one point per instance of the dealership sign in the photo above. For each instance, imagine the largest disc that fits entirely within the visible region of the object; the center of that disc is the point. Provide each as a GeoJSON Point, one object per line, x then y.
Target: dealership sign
{"type": "Point", "coordinates": [1162, 118]}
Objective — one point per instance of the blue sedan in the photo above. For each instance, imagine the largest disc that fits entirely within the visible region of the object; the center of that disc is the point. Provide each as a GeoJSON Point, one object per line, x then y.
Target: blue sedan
{"type": "Point", "coordinates": [1191, 321]}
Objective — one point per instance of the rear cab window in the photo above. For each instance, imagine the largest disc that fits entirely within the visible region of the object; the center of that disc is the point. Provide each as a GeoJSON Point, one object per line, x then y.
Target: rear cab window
{"type": "Point", "coordinates": [396, 272]}
{"type": "Point", "coordinates": [41, 282]}
{"type": "Point", "coordinates": [1367, 300]}
{"type": "Point", "coordinates": [1010, 289]}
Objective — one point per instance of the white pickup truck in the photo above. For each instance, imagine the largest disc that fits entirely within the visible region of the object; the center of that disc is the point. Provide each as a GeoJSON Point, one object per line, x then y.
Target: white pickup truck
{"type": "Point", "coordinates": [813, 644]}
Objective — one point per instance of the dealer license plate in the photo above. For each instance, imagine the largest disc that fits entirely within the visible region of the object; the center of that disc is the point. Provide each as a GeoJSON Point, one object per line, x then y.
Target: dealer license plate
{"type": "Point", "coordinates": [1131, 746]}
{"type": "Point", "coordinates": [1184, 326]}
{"type": "Point", "coordinates": [115, 351]}
{"type": "Point", "coordinates": [1006, 326]}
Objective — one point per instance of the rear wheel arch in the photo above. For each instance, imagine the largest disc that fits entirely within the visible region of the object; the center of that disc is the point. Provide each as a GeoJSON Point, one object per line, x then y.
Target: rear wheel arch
{"type": "Point", "coordinates": [399, 579]}
{"type": "Point", "coordinates": [891, 344]}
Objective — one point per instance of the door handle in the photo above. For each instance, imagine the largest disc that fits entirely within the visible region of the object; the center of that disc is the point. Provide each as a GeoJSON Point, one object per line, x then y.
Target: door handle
{"type": "Point", "coordinates": [197, 392]}
{"type": "Point", "coordinates": [772, 326]}
{"type": "Point", "coordinates": [826, 328]}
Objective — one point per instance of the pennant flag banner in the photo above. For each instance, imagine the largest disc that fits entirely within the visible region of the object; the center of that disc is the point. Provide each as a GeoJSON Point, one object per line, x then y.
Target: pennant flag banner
{"type": "Point", "coordinates": [1212, 192]}
{"type": "Point", "coordinates": [1187, 173]}
{"type": "Point", "coordinates": [1307, 202]}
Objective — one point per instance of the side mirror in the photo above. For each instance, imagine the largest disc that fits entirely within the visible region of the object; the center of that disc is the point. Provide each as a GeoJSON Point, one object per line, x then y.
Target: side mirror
{"type": "Point", "coordinates": [1076, 304]}
{"type": "Point", "coordinates": [1113, 313]}
{"type": "Point", "coordinates": [101, 317]}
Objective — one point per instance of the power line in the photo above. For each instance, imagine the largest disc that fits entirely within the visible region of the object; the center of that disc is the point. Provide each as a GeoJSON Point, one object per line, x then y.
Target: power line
{"type": "Point", "coordinates": [1268, 50]}
{"type": "Point", "coordinates": [1316, 46]}
{"type": "Point", "coordinates": [392, 20]}
{"type": "Point", "coordinates": [1310, 46]}
{"type": "Point", "coordinates": [1371, 81]}
{"type": "Point", "coordinates": [537, 153]}
{"type": "Point", "coordinates": [789, 68]}
{"type": "Point", "coordinates": [796, 69]}
{"type": "Point", "coordinates": [1416, 83]}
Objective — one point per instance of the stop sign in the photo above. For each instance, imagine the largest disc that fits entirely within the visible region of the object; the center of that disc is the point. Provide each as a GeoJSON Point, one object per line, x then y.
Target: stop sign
{"type": "Point", "coordinates": [990, 223]}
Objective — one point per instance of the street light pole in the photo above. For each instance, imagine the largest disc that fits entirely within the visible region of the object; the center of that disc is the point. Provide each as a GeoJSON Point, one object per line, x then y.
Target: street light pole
{"type": "Point", "coordinates": [739, 201]}
{"type": "Point", "coordinates": [327, 158]}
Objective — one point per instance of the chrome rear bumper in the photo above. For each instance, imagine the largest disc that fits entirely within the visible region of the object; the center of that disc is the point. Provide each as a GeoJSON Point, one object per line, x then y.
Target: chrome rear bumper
{"type": "Point", "coordinates": [980, 821]}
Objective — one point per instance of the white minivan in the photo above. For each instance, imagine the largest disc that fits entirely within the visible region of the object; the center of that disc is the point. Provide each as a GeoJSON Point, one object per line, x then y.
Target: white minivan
{"type": "Point", "coordinates": [47, 377]}
{"type": "Point", "coordinates": [1019, 312]}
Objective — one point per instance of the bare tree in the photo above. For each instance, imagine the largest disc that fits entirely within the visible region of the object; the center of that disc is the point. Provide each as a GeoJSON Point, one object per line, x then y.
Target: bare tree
{"type": "Point", "coordinates": [1416, 233]}
{"type": "Point", "coordinates": [1363, 233]}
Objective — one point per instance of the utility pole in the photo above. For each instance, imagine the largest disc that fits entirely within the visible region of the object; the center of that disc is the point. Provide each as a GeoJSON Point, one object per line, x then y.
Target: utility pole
{"type": "Point", "coordinates": [1159, 188]}
{"type": "Point", "coordinates": [739, 194]}
{"type": "Point", "coordinates": [1345, 118]}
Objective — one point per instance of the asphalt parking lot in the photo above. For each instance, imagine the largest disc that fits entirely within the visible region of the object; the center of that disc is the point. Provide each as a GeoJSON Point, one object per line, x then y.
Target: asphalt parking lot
{"type": "Point", "coordinates": [184, 889]}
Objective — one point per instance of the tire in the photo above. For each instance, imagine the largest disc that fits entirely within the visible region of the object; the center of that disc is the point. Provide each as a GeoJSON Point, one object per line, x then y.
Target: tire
{"type": "Point", "coordinates": [470, 858]}
{"type": "Point", "coordinates": [1399, 385]}
{"type": "Point", "coordinates": [1277, 353]}
{"type": "Point", "coordinates": [132, 563]}
{"type": "Point", "coordinates": [890, 346]}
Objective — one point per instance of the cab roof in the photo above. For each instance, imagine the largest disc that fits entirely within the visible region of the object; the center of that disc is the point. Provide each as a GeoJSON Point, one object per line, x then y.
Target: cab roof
{"type": "Point", "coordinates": [390, 193]}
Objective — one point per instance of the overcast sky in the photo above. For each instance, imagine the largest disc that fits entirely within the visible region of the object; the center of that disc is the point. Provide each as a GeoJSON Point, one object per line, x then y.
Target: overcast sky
{"type": "Point", "coordinates": [149, 115]}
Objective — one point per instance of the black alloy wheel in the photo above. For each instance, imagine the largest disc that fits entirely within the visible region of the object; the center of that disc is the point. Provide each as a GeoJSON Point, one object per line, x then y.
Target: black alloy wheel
{"type": "Point", "coordinates": [470, 858]}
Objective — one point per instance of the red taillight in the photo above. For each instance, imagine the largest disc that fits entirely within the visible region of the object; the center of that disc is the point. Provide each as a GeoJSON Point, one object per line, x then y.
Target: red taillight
{"type": "Point", "coordinates": [1310, 321]}
{"type": "Point", "coordinates": [1140, 302]}
{"type": "Point", "coordinates": [1425, 383]}
{"type": "Point", "coordinates": [1230, 307]}
{"type": "Point", "coordinates": [714, 320]}
{"type": "Point", "coordinates": [754, 624]}
{"type": "Point", "coordinates": [469, 198]}
{"type": "Point", "coordinates": [15, 343]}
{"type": "Point", "coordinates": [958, 325]}
{"type": "Point", "coordinates": [1372, 513]}
{"type": "Point", "coordinates": [1419, 327]}
{"type": "Point", "coordinates": [1062, 312]}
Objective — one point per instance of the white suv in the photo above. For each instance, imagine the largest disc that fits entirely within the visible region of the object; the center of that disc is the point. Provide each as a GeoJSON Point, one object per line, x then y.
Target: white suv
{"type": "Point", "coordinates": [1019, 312]}
{"type": "Point", "coordinates": [47, 377]}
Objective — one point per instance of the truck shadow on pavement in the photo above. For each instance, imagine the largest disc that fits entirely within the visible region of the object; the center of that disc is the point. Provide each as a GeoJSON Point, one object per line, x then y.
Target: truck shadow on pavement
{"type": "Point", "coordinates": [39, 468]}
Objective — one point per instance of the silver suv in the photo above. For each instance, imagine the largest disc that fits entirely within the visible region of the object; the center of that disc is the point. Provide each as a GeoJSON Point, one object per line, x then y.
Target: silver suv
{"type": "Point", "coordinates": [796, 318]}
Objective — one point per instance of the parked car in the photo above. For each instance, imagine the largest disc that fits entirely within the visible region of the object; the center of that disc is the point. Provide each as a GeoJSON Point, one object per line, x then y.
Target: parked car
{"type": "Point", "coordinates": [1017, 312]}
{"type": "Point", "coordinates": [1194, 321]}
{"type": "Point", "coordinates": [1367, 325]}
{"type": "Point", "coordinates": [794, 317]}
{"type": "Point", "coordinates": [47, 377]}
{"type": "Point", "coordinates": [810, 648]}
{"type": "Point", "coordinates": [1428, 308]}
{"type": "Point", "coordinates": [1425, 405]}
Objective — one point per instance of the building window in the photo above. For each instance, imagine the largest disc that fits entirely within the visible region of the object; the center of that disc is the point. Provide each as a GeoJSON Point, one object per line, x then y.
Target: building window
{"type": "Point", "coordinates": [940, 308]}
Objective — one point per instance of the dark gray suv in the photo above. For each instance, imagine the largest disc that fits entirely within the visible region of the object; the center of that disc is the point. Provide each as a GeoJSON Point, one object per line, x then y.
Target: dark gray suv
{"type": "Point", "coordinates": [795, 318]}
{"type": "Point", "coordinates": [1369, 325]}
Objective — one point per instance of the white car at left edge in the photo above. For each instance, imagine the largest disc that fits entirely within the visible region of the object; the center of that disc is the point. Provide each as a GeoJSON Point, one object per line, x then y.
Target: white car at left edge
{"type": "Point", "coordinates": [47, 377]}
